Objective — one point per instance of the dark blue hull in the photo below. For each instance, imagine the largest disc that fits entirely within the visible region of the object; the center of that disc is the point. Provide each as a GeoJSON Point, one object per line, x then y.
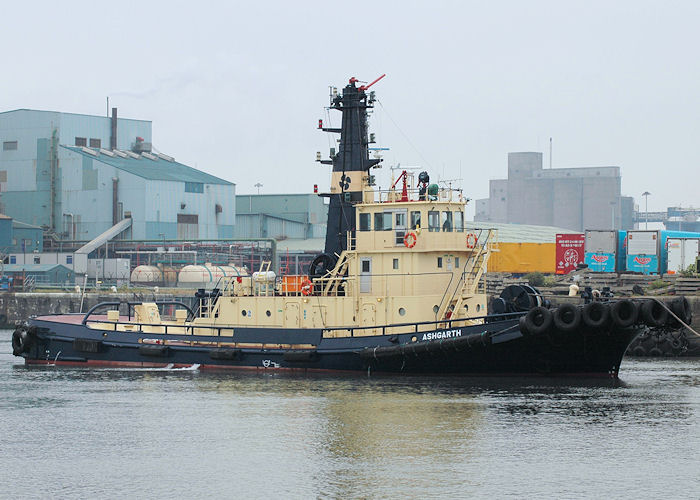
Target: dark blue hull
{"type": "Point", "coordinates": [497, 348]}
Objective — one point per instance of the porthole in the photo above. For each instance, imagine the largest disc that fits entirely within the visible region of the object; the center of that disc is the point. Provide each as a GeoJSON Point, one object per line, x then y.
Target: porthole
{"type": "Point", "coordinates": [402, 311]}
{"type": "Point", "coordinates": [436, 309]}
{"type": "Point", "coordinates": [268, 313]}
{"type": "Point", "coordinates": [478, 307]}
{"type": "Point", "coordinates": [414, 339]}
{"type": "Point", "coordinates": [466, 307]}
{"type": "Point", "coordinates": [243, 312]}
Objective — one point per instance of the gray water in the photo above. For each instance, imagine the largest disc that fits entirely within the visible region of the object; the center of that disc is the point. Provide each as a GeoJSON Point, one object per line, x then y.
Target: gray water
{"type": "Point", "coordinates": [108, 433]}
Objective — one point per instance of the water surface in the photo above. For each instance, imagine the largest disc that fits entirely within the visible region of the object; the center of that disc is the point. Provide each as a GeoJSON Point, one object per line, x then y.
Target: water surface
{"type": "Point", "coordinates": [110, 433]}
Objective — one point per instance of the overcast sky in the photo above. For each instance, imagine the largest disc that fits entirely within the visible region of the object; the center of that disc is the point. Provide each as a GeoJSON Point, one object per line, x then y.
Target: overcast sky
{"type": "Point", "coordinates": [236, 88]}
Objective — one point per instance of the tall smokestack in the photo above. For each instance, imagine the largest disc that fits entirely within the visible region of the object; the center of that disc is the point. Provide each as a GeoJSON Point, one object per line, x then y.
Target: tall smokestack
{"type": "Point", "coordinates": [113, 137]}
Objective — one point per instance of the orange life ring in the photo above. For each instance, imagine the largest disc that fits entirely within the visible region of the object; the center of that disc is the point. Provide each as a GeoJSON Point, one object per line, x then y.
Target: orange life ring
{"type": "Point", "coordinates": [306, 287]}
{"type": "Point", "coordinates": [410, 239]}
{"type": "Point", "coordinates": [471, 240]}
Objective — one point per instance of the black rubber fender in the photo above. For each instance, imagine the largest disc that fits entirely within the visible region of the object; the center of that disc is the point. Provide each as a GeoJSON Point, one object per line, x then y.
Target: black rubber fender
{"type": "Point", "coordinates": [566, 318]}
{"type": "Point", "coordinates": [595, 315]}
{"type": "Point", "coordinates": [654, 314]}
{"type": "Point", "coordinates": [87, 345]}
{"type": "Point", "coordinates": [681, 308]}
{"type": "Point", "coordinates": [639, 351]}
{"type": "Point", "coordinates": [624, 313]}
{"type": "Point", "coordinates": [538, 320]}
{"type": "Point", "coordinates": [22, 340]}
{"type": "Point", "coordinates": [523, 326]}
{"type": "Point", "coordinates": [155, 351]}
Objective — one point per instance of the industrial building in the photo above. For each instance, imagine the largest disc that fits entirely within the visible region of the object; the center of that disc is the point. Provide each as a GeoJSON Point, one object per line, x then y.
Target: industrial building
{"type": "Point", "coordinates": [281, 216]}
{"type": "Point", "coordinates": [573, 198]}
{"type": "Point", "coordinates": [77, 176]}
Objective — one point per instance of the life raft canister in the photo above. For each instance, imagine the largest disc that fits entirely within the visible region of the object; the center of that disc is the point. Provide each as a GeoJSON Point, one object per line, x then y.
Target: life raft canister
{"type": "Point", "coordinates": [410, 239]}
{"type": "Point", "coordinates": [471, 240]}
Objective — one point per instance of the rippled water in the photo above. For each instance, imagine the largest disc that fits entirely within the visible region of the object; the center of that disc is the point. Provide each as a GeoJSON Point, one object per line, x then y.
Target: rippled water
{"type": "Point", "coordinates": [162, 434]}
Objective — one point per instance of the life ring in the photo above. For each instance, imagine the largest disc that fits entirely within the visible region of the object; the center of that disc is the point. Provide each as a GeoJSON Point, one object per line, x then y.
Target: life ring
{"type": "Point", "coordinates": [471, 240]}
{"type": "Point", "coordinates": [410, 239]}
{"type": "Point", "coordinates": [306, 287]}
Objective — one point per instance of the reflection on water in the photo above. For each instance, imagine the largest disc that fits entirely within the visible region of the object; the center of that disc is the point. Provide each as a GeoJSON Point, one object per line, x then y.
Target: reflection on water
{"type": "Point", "coordinates": [152, 433]}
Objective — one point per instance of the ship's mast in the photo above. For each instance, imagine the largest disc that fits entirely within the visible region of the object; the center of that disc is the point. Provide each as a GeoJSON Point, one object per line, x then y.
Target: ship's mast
{"type": "Point", "coordinates": [349, 163]}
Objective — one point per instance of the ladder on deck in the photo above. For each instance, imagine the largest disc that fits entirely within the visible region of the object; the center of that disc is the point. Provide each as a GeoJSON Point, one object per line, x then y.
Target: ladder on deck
{"type": "Point", "coordinates": [471, 277]}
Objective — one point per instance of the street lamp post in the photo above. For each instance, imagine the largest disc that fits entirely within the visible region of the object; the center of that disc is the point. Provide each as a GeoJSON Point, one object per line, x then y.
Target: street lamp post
{"type": "Point", "coordinates": [646, 209]}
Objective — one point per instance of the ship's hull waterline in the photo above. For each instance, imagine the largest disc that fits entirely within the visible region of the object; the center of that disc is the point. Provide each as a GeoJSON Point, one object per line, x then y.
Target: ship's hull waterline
{"type": "Point", "coordinates": [492, 348]}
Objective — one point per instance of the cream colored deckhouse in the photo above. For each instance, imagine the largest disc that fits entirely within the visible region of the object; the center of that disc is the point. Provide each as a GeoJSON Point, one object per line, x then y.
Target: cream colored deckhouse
{"type": "Point", "coordinates": [411, 260]}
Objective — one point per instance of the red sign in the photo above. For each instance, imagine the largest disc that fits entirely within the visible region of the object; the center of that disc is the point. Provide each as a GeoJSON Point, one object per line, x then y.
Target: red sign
{"type": "Point", "coordinates": [642, 260]}
{"type": "Point", "coordinates": [600, 258]}
{"type": "Point", "coordinates": [569, 252]}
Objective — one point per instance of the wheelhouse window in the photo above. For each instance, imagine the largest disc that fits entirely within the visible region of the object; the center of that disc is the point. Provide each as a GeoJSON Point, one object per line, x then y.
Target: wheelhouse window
{"type": "Point", "coordinates": [447, 221]}
{"type": "Point", "coordinates": [433, 220]}
{"type": "Point", "coordinates": [415, 219]}
{"type": "Point", "coordinates": [439, 262]}
{"type": "Point", "coordinates": [459, 221]}
{"type": "Point", "coordinates": [365, 222]}
{"type": "Point", "coordinates": [382, 221]}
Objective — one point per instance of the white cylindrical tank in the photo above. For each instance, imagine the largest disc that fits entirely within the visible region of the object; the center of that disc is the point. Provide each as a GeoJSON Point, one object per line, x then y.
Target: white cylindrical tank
{"type": "Point", "coordinates": [146, 275]}
{"type": "Point", "coordinates": [195, 276]}
{"type": "Point", "coordinates": [264, 277]}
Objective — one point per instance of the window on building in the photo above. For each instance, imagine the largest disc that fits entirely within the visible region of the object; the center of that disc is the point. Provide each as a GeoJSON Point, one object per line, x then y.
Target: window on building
{"type": "Point", "coordinates": [80, 141]}
{"type": "Point", "coordinates": [415, 219]}
{"type": "Point", "coordinates": [37, 259]}
{"type": "Point", "coordinates": [95, 143]}
{"type": "Point", "coordinates": [447, 221]}
{"type": "Point", "coordinates": [365, 222]}
{"type": "Point", "coordinates": [9, 146]}
{"type": "Point", "coordinates": [396, 263]}
{"type": "Point", "coordinates": [439, 261]}
{"type": "Point", "coordinates": [456, 262]}
{"type": "Point", "coordinates": [13, 259]}
{"type": "Point", "coordinates": [69, 259]}
{"type": "Point", "coordinates": [433, 220]}
{"type": "Point", "coordinates": [194, 187]}
{"type": "Point", "coordinates": [365, 266]}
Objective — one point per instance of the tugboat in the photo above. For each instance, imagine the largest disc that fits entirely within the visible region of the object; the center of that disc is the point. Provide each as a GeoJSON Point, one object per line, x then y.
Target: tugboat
{"type": "Point", "coordinates": [398, 289]}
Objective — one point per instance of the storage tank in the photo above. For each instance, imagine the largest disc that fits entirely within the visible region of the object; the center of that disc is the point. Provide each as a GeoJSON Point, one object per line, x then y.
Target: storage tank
{"type": "Point", "coordinates": [195, 276]}
{"type": "Point", "coordinates": [146, 275]}
{"type": "Point", "coordinates": [208, 275]}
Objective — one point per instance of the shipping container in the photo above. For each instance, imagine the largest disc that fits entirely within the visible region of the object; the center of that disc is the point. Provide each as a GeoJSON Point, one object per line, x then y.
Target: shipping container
{"type": "Point", "coordinates": [647, 251]}
{"type": "Point", "coordinates": [523, 258]}
{"type": "Point", "coordinates": [682, 252]}
{"type": "Point", "coordinates": [606, 251]}
{"type": "Point", "coordinates": [569, 252]}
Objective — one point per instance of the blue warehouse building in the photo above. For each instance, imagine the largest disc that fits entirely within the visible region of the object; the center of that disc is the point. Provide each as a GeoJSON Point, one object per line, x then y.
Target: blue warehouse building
{"type": "Point", "coordinates": [77, 176]}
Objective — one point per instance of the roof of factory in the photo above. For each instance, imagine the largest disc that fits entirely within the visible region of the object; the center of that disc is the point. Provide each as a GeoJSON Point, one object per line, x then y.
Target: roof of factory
{"type": "Point", "coordinates": [152, 166]}
{"type": "Point", "coordinates": [522, 233]}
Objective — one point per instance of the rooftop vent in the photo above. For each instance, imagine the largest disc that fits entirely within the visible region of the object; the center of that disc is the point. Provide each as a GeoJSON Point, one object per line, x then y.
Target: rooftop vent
{"type": "Point", "coordinates": [120, 153]}
{"type": "Point", "coordinates": [165, 157]}
{"type": "Point", "coordinates": [106, 152]}
{"type": "Point", "coordinates": [90, 151]}
{"type": "Point", "coordinates": [140, 146]}
{"type": "Point", "coordinates": [149, 156]}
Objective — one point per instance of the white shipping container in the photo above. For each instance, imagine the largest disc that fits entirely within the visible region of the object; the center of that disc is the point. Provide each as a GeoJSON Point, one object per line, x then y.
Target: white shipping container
{"type": "Point", "coordinates": [682, 252]}
{"type": "Point", "coordinates": [642, 242]}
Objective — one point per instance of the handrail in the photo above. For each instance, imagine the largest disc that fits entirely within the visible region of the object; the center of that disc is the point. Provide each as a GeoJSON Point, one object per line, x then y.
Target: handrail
{"type": "Point", "coordinates": [130, 304]}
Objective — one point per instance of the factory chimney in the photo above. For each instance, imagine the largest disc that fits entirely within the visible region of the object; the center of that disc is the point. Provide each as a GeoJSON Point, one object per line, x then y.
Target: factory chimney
{"type": "Point", "coordinates": [113, 137]}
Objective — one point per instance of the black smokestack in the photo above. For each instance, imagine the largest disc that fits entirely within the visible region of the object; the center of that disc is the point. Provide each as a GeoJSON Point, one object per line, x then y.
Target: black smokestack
{"type": "Point", "coordinates": [113, 137]}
